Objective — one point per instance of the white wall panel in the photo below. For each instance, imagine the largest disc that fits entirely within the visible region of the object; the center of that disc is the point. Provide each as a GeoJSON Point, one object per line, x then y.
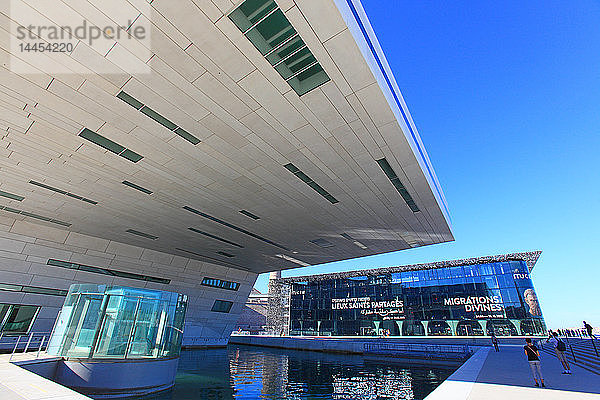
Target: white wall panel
{"type": "Point", "coordinates": [202, 326]}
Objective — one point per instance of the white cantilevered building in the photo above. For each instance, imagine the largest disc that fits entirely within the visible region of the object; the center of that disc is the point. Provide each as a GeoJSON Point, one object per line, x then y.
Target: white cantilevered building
{"type": "Point", "coordinates": [209, 142]}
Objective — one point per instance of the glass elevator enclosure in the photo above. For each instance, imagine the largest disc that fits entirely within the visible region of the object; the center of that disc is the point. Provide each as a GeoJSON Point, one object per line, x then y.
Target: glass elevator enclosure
{"type": "Point", "coordinates": [104, 322]}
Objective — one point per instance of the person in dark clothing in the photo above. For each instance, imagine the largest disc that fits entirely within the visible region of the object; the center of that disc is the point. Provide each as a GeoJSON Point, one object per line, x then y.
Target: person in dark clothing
{"type": "Point", "coordinates": [494, 341]}
{"type": "Point", "coordinates": [588, 329]}
{"type": "Point", "coordinates": [560, 347]}
{"type": "Point", "coordinates": [533, 357]}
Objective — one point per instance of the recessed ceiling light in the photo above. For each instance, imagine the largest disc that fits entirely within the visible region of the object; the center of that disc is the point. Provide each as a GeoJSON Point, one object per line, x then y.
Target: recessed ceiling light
{"type": "Point", "coordinates": [215, 260]}
{"type": "Point", "coordinates": [322, 243]}
{"type": "Point", "coordinates": [292, 259]}
{"type": "Point", "coordinates": [356, 242]}
{"type": "Point", "coordinates": [75, 196]}
{"type": "Point", "coordinates": [391, 174]}
{"type": "Point", "coordinates": [158, 118]}
{"type": "Point", "coordinates": [249, 214]}
{"type": "Point", "coordinates": [137, 187]}
{"type": "Point", "coordinates": [109, 145]}
{"type": "Point", "coordinates": [11, 196]}
{"type": "Point", "coordinates": [237, 228]}
{"type": "Point", "coordinates": [142, 234]}
{"type": "Point", "coordinates": [149, 112]}
{"type": "Point", "coordinates": [210, 235]}
{"type": "Point", "coordinates": [306, 179]}
{"type": "Point", "coordinates": [36, 216]}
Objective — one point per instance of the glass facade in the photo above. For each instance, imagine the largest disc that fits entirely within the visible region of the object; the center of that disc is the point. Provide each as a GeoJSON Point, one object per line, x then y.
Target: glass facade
{"type": "Point", "coordinates": [119, 322]}
{"type": "Point", "coordinates": [467, 300]}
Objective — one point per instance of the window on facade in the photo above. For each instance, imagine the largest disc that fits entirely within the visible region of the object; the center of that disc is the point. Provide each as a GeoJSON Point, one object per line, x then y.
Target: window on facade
{"type": "Point", "coordinates": [9, 287]}
{"type": "Point", "coordinates": [221, 284]}
{"type": "Point", "coordinates": [223, 306]}
{"type": "Point", "coordinates": [3, 311]}
{"type": "Point", "coordinates": [16, 318]}
{"type": "Point", "coordinates": [106, 271]}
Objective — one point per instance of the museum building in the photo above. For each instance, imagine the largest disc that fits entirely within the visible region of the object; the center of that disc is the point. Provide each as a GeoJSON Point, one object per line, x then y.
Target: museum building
{"type": "Point", "coordinates": [231, 142]}
{"type": "Point", "coordinates": [470, 297]}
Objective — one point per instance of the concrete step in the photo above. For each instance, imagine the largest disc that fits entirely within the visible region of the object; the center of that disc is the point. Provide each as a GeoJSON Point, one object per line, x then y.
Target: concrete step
{"type": "Point", "coordinates": [589, 351]}
{"type": "Point", "coordinates": [581, 342]}
{"type": "Point", "coordinates": [584, 352]}
{"type": "Point", "coordinates": [578, 346]}
{"type": "Point", "coordinates": [589, 361]}
{"type": "Point", "coordinates": [585, 348]}
{"type": "Point", "coordinates": [595, 368]}
{"type": "Point", "coordinates": [589, 365]}
{"type": "Point", "coordinates": [590, 356]}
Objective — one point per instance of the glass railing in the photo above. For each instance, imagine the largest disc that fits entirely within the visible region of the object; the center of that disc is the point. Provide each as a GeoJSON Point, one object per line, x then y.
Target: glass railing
{"type": "Point", "coordinates": [119, 323]}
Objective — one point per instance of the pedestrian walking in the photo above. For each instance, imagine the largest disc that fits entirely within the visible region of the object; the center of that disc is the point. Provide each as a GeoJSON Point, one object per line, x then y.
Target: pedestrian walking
{"type": "Point", "coordinates": [533, 357]}
{"type": "Point", "coordinates": [494, 340]}
{"type": "Point", "coordinates": [588, 328]}
{"type": "Point", "coordinates": [559, 348]}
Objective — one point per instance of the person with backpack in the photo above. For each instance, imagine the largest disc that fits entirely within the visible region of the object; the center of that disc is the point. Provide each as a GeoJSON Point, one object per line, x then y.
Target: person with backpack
{"type": "Point", "coordinates": [533, 357]}
{"type": "Point", "coordinates": [560, 347]}
{"type": "Point", "coordinates": [494, 341]}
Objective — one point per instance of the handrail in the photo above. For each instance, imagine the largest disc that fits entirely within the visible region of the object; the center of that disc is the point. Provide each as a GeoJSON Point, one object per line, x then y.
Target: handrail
{"type": "Point", "coordinates": [15, 349]}
{"type": "Point", "coordinates": [417, 347]}
{"type": "Point", "coordinates": [8, 338]}
{"type": "Point", "coordinates": [32, 337]}
{"type": "Point", "coordinates": [582, 355]}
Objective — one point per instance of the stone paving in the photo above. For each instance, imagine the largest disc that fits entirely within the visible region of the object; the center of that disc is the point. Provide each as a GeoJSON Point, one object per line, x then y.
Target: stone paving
{"type": "Point", "coordinates": [506, 375]}
{"type": "Point", "coordinates": [17, 383]}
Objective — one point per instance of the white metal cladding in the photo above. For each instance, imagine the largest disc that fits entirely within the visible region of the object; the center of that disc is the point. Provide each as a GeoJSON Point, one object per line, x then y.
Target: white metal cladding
{"type": "Point", "coordinates": [25, 249]}
{"type": "Point", "coordinates": [207, 78]}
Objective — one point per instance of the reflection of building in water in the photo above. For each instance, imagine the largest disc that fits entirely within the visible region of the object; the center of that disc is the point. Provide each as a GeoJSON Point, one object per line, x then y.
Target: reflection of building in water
{"type": "Point", "coordinates": [275, 373]}
{"type": "Point", "coordinates": [270, 368]}
{"type": "Point", "coordinates": [208, 370]}
{"type": "Point", "coordinates": [470, 297]}
{"type": "Point", "coordinates": [292, 375]}
{"type": "Point", "coordinates": [383, 384]}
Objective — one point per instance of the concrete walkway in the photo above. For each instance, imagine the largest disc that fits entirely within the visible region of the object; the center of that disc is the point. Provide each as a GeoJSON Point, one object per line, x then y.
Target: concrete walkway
{"type": "Point", "coordinates": [17, 383]}
{"type": "Point", "coordinates": [506, 375]}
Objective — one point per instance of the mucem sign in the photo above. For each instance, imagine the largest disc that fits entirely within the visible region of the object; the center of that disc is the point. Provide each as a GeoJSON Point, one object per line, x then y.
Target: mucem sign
{"type": "Point", "coordinates": [470, 297]}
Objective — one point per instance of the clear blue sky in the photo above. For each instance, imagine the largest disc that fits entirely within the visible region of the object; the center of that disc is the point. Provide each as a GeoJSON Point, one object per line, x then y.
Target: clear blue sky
{"type": "Point", "coordinates": [506, 97]}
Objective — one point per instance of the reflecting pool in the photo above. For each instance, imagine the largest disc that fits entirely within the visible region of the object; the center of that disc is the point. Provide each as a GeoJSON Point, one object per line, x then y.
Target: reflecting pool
{"type": "Point", "coordinates": [245, 372]}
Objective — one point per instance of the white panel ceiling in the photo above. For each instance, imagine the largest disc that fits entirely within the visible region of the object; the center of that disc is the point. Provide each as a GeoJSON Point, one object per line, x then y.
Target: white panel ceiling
{"type": "Point", "coordinates": [207, 78]}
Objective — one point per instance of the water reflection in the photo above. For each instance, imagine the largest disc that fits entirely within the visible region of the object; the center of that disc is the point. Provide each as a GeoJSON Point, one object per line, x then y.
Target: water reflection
{"type": "Point", "coordinates": [241, 372]}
